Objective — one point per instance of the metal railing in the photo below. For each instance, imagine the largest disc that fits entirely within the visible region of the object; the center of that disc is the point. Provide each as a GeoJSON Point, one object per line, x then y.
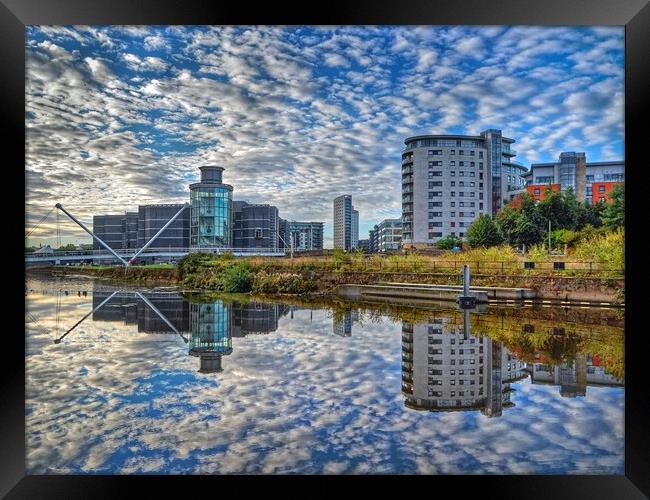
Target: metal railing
{"type": "Point", "coordinates": [128, 252]}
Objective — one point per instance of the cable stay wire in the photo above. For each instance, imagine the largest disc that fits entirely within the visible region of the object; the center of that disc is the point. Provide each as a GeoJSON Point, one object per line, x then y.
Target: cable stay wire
{"type": "Point", "coordinates": [39, 223]}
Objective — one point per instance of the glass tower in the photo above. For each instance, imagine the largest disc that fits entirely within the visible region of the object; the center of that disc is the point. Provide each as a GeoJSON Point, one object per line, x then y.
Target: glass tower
{"type": "Point", "coordinates": [211, 210]}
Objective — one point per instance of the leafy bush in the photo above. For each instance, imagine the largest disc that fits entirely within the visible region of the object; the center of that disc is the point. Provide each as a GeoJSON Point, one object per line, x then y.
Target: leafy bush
{"type": "Point", "coordinates": [191, 262]}
{"type": "Point", "coordinates": [448, 242]}
{"type": "Point", "coordinates": [561, 237]}
{"type": "Point", "coordinates": [236, 278]}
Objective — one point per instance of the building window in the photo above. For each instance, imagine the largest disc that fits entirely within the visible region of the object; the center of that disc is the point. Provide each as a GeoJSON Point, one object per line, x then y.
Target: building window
{"type": "Point", "coordinates": [452, 204]}
{"type": "Point", "coordinates": [453, 174]}
{"type": "Point", "coordinates": [452, 224]}
{"type": "Point", "coordinates": [258, 234]}
{"type": "Point", "coordinates": [461, 214]}
{"type": "Point", "coordinates": [453, 184]}
{"type": "Point", "coordinates": [461, 193]}
{"type": "Point", "coordinates": [472, 164]}
{"type": "Point", "coordinates": [434, 224]}
{"type": "Point", "coordinates": [461, 235]}
{"type": "Point", "coordinates": [461, 184]}
{"type": "Point", "coordinates": [435, 164]}
{"type": "Point", "coordinates": [452, 163]}
{"type": "Point", "coordinates": [471, 153]}
{"type": "Point", "coordinates": [452, 193]}
{"type": "Point", "coordinates": [435, 204]}
{"type": "Point", "coordinates": [461, 203]}
{"type": "Point", "coordinates": [461, 224]}
{"type": "Point", "coordinates": [435, 235]}
{"type": "Point", "coordinates": [452, 214]}
{"type": "Point", "coordinates": [436, 173]}
{"type": "Point", "coordinates": [480, 155]}
{"type": "Point", "coordinates": [434, 214]}
{"type": "Point", "coordinates": [480, 205]}
{"type": "Point", "coordinates": [480, 165]}
{"type": "Point", "coordinates": [536, 192]}
{"type": "Point", "coordinates": [471, 184]}
{"type": "Point", "coordinates": [462, 174]}
{"type": "Point", "coordinates": [601, 189]}
{"type": "Point", "coordinates": [461, 163]}
{"type": "Point", "coordinates": [471, 174]}
{"type": "Point", "coordinates": [452, 151]}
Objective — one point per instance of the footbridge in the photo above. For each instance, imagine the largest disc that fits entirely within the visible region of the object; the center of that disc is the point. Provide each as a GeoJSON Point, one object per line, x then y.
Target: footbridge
{"type": "Point", "coordinates": [131, 256]}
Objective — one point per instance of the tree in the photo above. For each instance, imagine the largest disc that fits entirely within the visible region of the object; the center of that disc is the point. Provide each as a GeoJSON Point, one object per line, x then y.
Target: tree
{"type": "Point", "coordinates": [614, 214]}
{"type": "Point", "coordinates": [483, 232]}
{"type": "Point", "coordinates": [521, 226]}
{"type": "Point", "coordinates": [68, 248]}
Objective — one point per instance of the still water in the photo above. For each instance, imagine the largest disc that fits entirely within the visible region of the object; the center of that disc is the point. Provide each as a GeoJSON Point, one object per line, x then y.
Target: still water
{"type": "Point", "coordinates": [155, 381]}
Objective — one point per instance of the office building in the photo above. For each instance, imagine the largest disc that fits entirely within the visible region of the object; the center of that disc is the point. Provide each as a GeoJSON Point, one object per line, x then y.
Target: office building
{"type": "Point", "coordinates": [449, 180]}
{"type": "Point", "coordinates": [108, 228]}
{"type": "Point", "coordinates": [591, 182]}
{"type": "Point", "coordinates": [255, 226]}
{"type": "Point", "coordinates": [343, 223]}
{"type": "Point", "coordinates": [211, 210]}
{"type": "Point", "coordinates": [130, 229]}
{"type": "Point", "coordinates": [151, 219]}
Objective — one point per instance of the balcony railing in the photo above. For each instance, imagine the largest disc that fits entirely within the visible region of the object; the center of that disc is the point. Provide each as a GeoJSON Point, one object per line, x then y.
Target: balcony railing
{"type": "Point", "coordinates": [407, 170]}
{"type": "Point", "coordinates": [408, 159]}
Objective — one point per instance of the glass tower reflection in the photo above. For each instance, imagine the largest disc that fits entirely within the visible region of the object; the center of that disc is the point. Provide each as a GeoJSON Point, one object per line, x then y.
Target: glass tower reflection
{"type": "Point", "coordinates": [210, 334]}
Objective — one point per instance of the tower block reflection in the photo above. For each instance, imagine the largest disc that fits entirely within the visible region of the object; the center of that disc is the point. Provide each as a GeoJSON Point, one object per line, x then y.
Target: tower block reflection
{"type": "Point", "coordinates": [444, 368]}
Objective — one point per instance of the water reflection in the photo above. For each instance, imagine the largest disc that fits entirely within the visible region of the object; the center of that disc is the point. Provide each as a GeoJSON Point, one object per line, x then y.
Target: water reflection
{"type": "Point", "coordinates": [334, 387]}
{"type": "Point", "coordinates": [446, 368]}
{"type": "Point", "coordinates": [211, 325]}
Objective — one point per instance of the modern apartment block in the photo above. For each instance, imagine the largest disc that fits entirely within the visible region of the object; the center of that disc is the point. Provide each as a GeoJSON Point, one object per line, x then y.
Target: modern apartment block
{"type": "Point", "coordinates": [306, 235]}
{"type": "Point", "coordinates": [345, 222]}
{"type": "Point", "coordinates": [255, 226]}
{"type": "Point", "coordinates": [591, 182]}
{"type": "Point", "coordinates": [449, 180]}
{"type": "Point", "coordinates": [446, 369]}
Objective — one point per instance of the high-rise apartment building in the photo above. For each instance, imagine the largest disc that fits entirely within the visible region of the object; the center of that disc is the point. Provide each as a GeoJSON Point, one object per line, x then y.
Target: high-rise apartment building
{"type": "Point", "coordinates": [449, 180]}
{"type": "Point", "coordinates": [343, 223]}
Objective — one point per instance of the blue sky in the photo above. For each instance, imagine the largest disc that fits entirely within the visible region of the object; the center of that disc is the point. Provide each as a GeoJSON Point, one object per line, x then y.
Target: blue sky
{"type": "Point", "coordinates": [124, 115]}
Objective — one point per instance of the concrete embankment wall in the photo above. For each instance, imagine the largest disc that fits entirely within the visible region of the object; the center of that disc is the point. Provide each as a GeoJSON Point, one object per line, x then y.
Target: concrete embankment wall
{"type": "Point", "coordinates": [545, 287]}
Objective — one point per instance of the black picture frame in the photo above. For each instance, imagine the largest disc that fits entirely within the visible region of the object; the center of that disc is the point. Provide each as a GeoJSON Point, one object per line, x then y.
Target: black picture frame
{"type": "Point", "coordinates": [633, 14]}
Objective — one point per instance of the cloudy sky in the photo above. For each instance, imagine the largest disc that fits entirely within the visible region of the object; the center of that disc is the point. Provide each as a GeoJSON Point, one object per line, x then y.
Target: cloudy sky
{"type": "Point", "coordinates": [121, 116]}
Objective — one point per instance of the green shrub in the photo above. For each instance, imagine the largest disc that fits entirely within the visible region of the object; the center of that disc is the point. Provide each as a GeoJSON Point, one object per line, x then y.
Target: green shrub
{"type": "Point", "coordinates": [608, 248]}
{"type": "Point", "coordinates": [448, 242]}
{"type": "Point", "coordinates": [235, 278]}
{"type": "Point", "coordinates": [562, 237]}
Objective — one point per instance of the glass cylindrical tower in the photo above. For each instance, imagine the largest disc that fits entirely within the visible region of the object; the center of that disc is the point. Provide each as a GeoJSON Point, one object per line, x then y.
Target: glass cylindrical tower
{"type": "Point", "coordinates": [211, 210]}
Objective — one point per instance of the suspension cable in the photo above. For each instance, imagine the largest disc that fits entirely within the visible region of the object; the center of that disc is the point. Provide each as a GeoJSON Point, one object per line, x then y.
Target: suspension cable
{"type": "Point", "coordinates": [39, 223]}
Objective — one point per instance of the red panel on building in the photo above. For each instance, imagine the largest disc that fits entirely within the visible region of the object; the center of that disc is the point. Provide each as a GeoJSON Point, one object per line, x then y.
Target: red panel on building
{"type": "Point", "coordinates": [600, 191]}
{"type": "Point", "coordinates": [537, 191]}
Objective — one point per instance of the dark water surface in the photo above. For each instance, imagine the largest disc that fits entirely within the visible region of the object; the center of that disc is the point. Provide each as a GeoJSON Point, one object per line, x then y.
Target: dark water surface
{"type": "Point", "coordinates": [154, 381]}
